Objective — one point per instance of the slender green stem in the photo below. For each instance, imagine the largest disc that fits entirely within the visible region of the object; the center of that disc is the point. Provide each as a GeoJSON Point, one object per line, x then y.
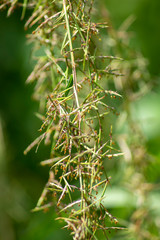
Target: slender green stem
{"type": "Point", "coordinates": [72, 54]}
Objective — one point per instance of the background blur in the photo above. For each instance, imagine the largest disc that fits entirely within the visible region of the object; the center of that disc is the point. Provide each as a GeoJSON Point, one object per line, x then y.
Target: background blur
{"type": "Point", "coordinates": [21, 177]}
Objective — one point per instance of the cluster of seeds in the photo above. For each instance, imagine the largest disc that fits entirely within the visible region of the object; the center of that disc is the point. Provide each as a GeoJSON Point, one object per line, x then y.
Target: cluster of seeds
{"type": "Point", "coordinates": [67, 78]}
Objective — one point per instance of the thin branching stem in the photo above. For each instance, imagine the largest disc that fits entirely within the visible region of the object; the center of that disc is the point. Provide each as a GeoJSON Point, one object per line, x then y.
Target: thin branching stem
{"type": "Point", "coordinates": [67, 80]}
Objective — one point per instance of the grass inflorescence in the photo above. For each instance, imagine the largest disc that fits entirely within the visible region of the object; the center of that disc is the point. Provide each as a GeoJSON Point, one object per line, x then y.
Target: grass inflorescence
{"type": "Point", "coordinates": [68, 78]}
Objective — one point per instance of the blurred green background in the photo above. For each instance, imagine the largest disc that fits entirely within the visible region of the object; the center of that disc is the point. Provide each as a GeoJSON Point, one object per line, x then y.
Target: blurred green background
{"type": "Point", "coordinates": [21, 177]}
